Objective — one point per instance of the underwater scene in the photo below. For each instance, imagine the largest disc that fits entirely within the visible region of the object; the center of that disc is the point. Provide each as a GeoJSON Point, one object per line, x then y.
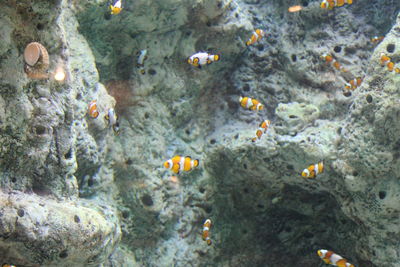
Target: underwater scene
{"type": "Point", "coordinates": [185, 133]}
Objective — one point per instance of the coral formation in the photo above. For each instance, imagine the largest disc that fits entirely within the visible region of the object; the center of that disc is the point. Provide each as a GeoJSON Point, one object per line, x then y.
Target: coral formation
{"type": "Point", "coordinates": [75, 194]}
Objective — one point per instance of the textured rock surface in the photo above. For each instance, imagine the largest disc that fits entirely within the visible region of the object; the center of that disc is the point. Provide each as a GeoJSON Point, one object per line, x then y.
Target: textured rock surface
{"type": "Point", "coordinates": [264, 214]}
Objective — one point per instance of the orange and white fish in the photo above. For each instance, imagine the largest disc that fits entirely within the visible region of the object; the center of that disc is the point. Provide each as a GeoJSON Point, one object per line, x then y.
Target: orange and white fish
{"type": "Point", "coordinates": [313, 170]}
{"type": "Point", "coordinates": [202, 58]}
{"type": "Point", "coordinates": [116, 8]}
{"type": "Point", "coordinates": [353, 84]}
{"type": "Point", "coordinates": [93, 112]}
{"type": "Point", "coordinates": [249, 103]}
{"type": "Point", "coordinates": [330, 4]}
{"type": "Point", "coordinates": [141, 59]}
{"type": "Point", "coordinates": [385, 60]}
{"type": "Point", "coordinates": [112, 120]}
{"type": "Point", "coordinates": [330, 257]}
{"type": "Point", "coordinates": [377, 39]}
{"type": "Point", "coordinates": [328, 58]}
{"type": "Point", "coordinates": [8, 265]}
{"type": "Point", "coordinates": [178, 164]}
{"type": "Point", "coordinates": [256, 36]}
{"type": "Point", "coordinates": [206, 231]}
{"type": "Point", "coordinates": [263, 127]}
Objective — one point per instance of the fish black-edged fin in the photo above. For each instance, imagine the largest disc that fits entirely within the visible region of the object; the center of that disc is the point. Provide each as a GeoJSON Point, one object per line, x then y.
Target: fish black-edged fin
{"type": "Point", "coordinates": [107, 118]}
{"type": "Point", "coordinates": [217, 57]}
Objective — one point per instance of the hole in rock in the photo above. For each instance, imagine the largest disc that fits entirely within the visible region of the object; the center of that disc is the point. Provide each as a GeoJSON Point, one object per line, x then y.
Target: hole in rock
{"type": "Point", "coordinates": [125, 214]}
{"type": "Point", "coordinates": [40, 130]}
{"type": "Point", "coordinates": [293, 117]}
{"type": "Point", "coordinates": [382, 194]}
{"type": "Point", "coordinates": [208, 209]}
{"type": "Point", "coordinates": [246, 88]}
{"type": "Point", "coordinates": [68, 155]}
{"type": "Point", "coordinates": [339, 130]}
{"type": "Point", "coordinates": [219, 4]}
{"type": "Point", "coordinates": [77, 219]}
{"type": "Point", "coordinates": [13, 179]}
{"type": "Point", "coordinates": [337, 49]}
{"type": "Point", "coordinates": [147, 200]}
{"type": "Point", "coordinates": [107, 16]}
{"type": "Point", "coordinates": [146, 115]}
{"type": "Point", "coordinates": [271, 236]}
{"type": "Point", "coordinates": [152, 72]}
{"type": "Point", "coordinates": [21, 213]}
{"type": "Point", "coordinates": [213, 141]}
{"type": "Point", "coordinates": [347, 93]}
{"type": "Point", "coordinates": [129, 161]}
{"type": "Point", "coordinates": [63, 254]}
{"type": "Point", "coordinates": [294, 58]}
{"type": "Point", "coordinates": [40, 26]}
{"type": "Point", "coordinates": [369, 98]}
{"type": "Point", "coordinates": [245, 166]}
{"type": "Point", "coordinates": [187, 131]}
{"type": "Point", "coordinates": [355, 173]}
{"type": "Point", "coordinates": [202, 190]}
{"type": "Point", "coordinates": [260, 47]}
{"type": "Point", "coordinates": [390, 48]}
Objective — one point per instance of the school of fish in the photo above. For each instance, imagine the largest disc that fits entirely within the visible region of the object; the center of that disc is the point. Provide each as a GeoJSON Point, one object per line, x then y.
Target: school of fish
{"type": "Point", "coordinates": [180, 164]}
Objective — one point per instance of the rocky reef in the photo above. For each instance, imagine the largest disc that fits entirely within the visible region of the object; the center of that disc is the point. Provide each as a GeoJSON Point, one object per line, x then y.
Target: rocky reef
{"type": "Point", "coordinates": [75, 193]}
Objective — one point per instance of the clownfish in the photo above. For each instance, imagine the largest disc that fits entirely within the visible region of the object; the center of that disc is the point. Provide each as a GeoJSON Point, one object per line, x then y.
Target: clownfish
{"type": "Point", "coordinates": [249, 103]}
{"type": "Point", "coordinates": [206, 231]}
{"type": "Point", "coordinates": [112, 120]}
{"type": "Point", "coordinates": [329, 59]}
{"type": "Point", "coordinates": [313, 170]}
{"type": "Point", "coordinates": [385, 60]}
{"type": "Point", "coordinates": [353, 84]}
{"type": "Point", "coordinates": [377, 39]}
{"type": "Point", "coordinates": [256, 36]}
{"type": "Point", "coordinates": [178, 163]}
{"type": "Point", "coordinates": [116, 8]}
{"type": "Point", "coordinates": [202, 58]}
{"type": "Point", "coordinates": [140, 61]}
{"type": "Point", "coordinates": [8, 265]}
{"type": "Point", "coordinates": [330, 4]}
{"type": "Point", "coordinates": [263, 127]}
{"type": "Point", "coordinates": [93, 112]}
{"type": "Point", "coordinates": [330, 257]}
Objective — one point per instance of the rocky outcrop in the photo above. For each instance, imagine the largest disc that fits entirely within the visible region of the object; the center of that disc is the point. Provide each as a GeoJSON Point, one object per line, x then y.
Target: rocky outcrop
{"type": "Point", "coordinates": [58, 164]}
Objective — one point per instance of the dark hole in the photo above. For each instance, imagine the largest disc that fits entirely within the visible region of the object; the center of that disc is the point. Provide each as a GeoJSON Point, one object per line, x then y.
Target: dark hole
{"type": "Point", "coordinates": [260, 47]}
{"type": "Point", "coordinates": [246, 88]}
{"type": "Point", "coordinates": [68, 155]}
{"type": "Point", "coordinates": [21, 213]}
{"type": "Point", "coordinates": [173, 113]}
{"type": "Point", "coordinates": [208, 24]}
{"type": "Point", "coordinates": [129, 161]}
{"type": "Point", "coordinates": [290, 167]}
{"type": "Point", "coordinates": [125, 214]}
{"type": "Point", "coordinates": [293, 117]}
{"type": "Point", "coordinates": [236, 15]}
{"type": "Point", "coordinates": [213, 141]}
{"type": "Point", "coordinates": [40, 26]}
{"type": "Point", "coordinates": [369, 98]}
{"type": "Point", "coordinates": [107, 16]}
{"type": "Point", "coordinates": [63, 254]}
{"type": "Point", "coordinates": [236, 136]}
{"type": "Point", "coordinates": [152, 72]}
{"type": "Point", "coordinates": [390, 48]}
{"type": "Point", "coordinates": [188, 33]}
{"type": "Point", "coordinates": [339, 130]}
{"type": "Point", "coordinates": [147, 200]}
{"type": "Point", "coordinates": [202, 190]}
{"type": "Point", "coordinates": [208, 209]}
{"type": "Point", "coordinates": [355, 173]}
{"type": "Point", "coordinates": [219, 5]}
{"type": "Point", "coordinates": [90, 182]}
{"type": "Point", "coordinates": [347, 93]}
{"type": "Point", "coordinates": [382, 194]}
{"type": "Point", "coordinates": [304, 3]}
{"type": "Point", "coordinates": [79, 96]}
{"type": "Point", "coordinates": [337, 49]}
{"type": "Point", "coordinates": [244, 231]}
{"type": "Point", "coordinates": [146, 115]}
{"type": "Point", "coordinates": [260, 206]}
{"type": "Point", "coordinates": [77, 219]}
{"type": "Point", "coordinates": [245, 190]}
{"type": "Point", "coordinates": [187, 131]}
{"type": "Point", "coordinates": [14, 180]}
{"type": "Point", "coordinates": [40, 129]}
{"type": "Point", "coordinates": [294, 58]}
{"type": "Point", "coordinates": [245, 166]}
